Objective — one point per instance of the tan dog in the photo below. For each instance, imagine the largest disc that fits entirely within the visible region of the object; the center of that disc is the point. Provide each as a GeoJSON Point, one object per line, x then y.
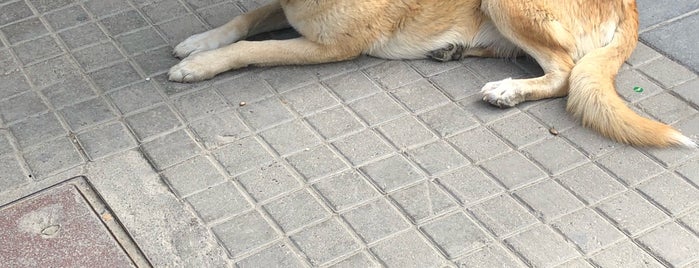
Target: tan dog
{"type": "Point", "coordinates": [580, 44]}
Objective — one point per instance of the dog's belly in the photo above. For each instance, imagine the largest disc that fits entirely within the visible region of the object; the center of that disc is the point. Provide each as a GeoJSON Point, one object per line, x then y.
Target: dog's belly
{"type": "Point", "coordinates": [407, 46]}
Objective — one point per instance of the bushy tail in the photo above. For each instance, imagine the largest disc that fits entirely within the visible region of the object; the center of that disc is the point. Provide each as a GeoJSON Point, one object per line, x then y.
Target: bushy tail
{"type": "Point", "coordinates": [594, 100]}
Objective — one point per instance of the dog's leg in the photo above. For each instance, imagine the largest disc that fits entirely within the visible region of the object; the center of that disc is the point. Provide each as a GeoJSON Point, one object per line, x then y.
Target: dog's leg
{"type": "Point", "coordinates": [541, 37]}
{"type": "Point", "coordinates": [264, 19]}
{"type": "Point", "coordinates": [258, 53]}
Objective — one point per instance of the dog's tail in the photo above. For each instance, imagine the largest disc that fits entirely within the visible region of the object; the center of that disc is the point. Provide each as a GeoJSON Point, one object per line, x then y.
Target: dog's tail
{"type": "Point", "coordinates": [593, 97]}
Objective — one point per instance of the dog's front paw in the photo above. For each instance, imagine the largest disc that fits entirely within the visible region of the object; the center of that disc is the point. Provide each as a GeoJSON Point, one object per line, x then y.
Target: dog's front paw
{"type": "Point", "coordinates": [504, 93]}
{"type": "Point", "coordinates": [190, 70]}
{"type": "Point", "coordinates": [205, 41]}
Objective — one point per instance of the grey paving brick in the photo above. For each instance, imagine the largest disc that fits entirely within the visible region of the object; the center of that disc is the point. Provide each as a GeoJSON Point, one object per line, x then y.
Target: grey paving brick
{"type": "Point", "coordinates": [577, 263]}
{"type": "Point", "coordinates": [105, 140]}
{"type": "Point", "coordinates": [67, 17]}
{"type": "Point", "coordinates": [642, 54]}
{"type": "Point", "coordinates": [393, 74]}
{"type": "Point", "coordinates": [628, 79]}
{"type": "Point", "coordinates": [357, 260]}
{"type": "Point", "coordinates": [456, 234]}
{"type": "Point", "coordinates": [135, 97]}
{"type": "Point", "coordinates": [141, 40]}
{"type": "Point", "coordinates": [591, 142]}
{"type": "Point", "coordinates": [285, 78]}
{"type": "Point", "coordinates": [278, 255]}
{"type": "Point", "coordinates": [682, 249]}
{"type": "Point", "coordinates": [219, 14]}
{"type": "Point", "coordinates": [682, 35]}
{"type": "Point", "coordinates": [624, 254]}
{"type": "Point", "coordinates": [492, 69]}
{"type": "Point", "coordinates": [654, 12]}
{"type": "Point", "coordinates": [73, 90]}
{"type": "Point", "coordinates": [268, 181]}
{"type": "Point", "coordinates": [589, 231]}
{"type": "Point", "coordinates": [87, 113]}
{"type": "Point", "coordinates": [34, 130]}
{"type": "Point", "coordinates": [630, 165]}
{"type": "Point", "coordinates": [520, 129]}
{"type": "Point", "coordinates": [24, 30]}
{"type": "Point", "coordinates": [490, 256]}
{"type": "Point", "coordinates": [327, 70]}
{"type": "Point", "coordinates": [290, 138]}
{"type": "Point", "coordinates": [296, 210]}
{"type": "Point", "coordinates": [542, 247]}
{"type": "Point", "coordinates": [115, 76]}
{"type": "Point", "coordinates": [667, 72]}
{"type": "Point", "coordinates": [203, 3]}
{"type": "Point", "coordinates": [502, 215]}
{"type": "Point", "coordinates": [192, 176]}
{"type": "Point", "coordinates": [247, 88]}
{"type": "Point", "coordinates": [362, 147]}
{"type": "Point", "coordinates": [555, 155]}
{"type": "Point", "coordinates": [667, 108]}
{"type": "Point", "coordinates": [631, 213]}
{"type": "Point", "coordinates": [469, 185]}
{"type": "Point", "coordinates": [407, 250]}
{"type": "Point", "coordinates": [242, 155]}
{"type": "Point", "coordinates": [309, 99]}
{"type": "Point", "coordinates": [200, 104]}
{"type": "Point", "coordinates": [51, 71]}
{"type": "Point", "coordinates": [324, 242]}
{"type": "Point", "coordinates": [479, 144]}
{"type": "Point", "coordinates": [82, 35]}
{"type": "Point", "coordinates": [392, 173]}
{"type": "Point", "coordinates": [102, 8]}
{"type": "Point", "coordinates": [15, 11]}
{"type": "Point", "coordinates": [21, 106]}
{"type": "Point", "coordinates": [553, 114]}
{"type": "Point", "coordinates": [691, 221]}
{"type": "Point", "coordinates": [94, 57]}
{"type": "Point", "coordinates": [375, 221]}
{"type": "Point", "coordinates": [123, 22]}
{"type": "Point", "coordinates": [5, 146]}
{"type": "Point", "coordinates": [423, 201]}
{"type": "Point", "coordinates": [448, 119]}
{"type": "Point", "coordinates": [688, 171]}
{"type": "Point", "coordinates": [352, 86]}
{"type": "Point", "coordinates": [396, 132]}
{"type": "Point", "coordinates": [37, 49]}
{"type": "Point", "coordinates": [548, 199]}
{"type": "Point", "coordinates": [265, 113]}
{"type": "Point", "coordinates": [689, 126]}
{"type": "Point", "coordinates": [458, 83]}
{"type": "Point", "coordinates": [688, 91]}
{"type": "Point", "coordinates": [11, 173]}
{"type": "Point", "coordinates": [53, 156]}
{"type": "Point", "coordinates": [12, 81]}
{"type": "Point", "coordinates": [171, 149]}
{"type": "Point", "coordinates": [152, 122]}
{"type": "Point", "coordinates": [156, 61]}
{"type": "Point", "coordinates": [419, 96]}
{"type": "Point", "coordinates": [179, 29]}
{"type": "Point", "coordinates": [208, 206]}
{"type": "Point", "coordinates": [590, 183]}
{"type": "Point", "coordinates": [334, 122]}
{"type": "Point", "coordinates": [377, 109]}
{"type": "Point", "coordinates": [164, 10]}
{"type": "Point", "coordinates": [437, 157]}
{"type": "Point", "coordinates": [671, 192]}
{"type": "Point", "coordinates": [671, 156]}
{"type": "Point", "coordinates": [244, 233]}
{"type": "Point", "coordinates": [428, 67]}
{"type": "Point", "coordinates": [483, 111]}
{"type": "Point", "coordinates": [513, 170]}
{"type": "Point", "coordinates": [345, 190]}
{"type": "Point", "coordinates": [219, 129]}
{"type": "Point", "coordinates": [316, 162]}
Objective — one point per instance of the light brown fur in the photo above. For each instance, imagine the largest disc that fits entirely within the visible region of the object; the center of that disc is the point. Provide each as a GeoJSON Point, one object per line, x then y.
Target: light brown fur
{"type": "Point", "coordinates": [580, 44]}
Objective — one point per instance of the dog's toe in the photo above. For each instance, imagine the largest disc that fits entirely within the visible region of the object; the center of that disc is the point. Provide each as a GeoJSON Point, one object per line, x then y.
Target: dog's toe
{"type": "Point", "coordinates": [504, 93]}
{"type": "Point", "coordinates": [188, 71]}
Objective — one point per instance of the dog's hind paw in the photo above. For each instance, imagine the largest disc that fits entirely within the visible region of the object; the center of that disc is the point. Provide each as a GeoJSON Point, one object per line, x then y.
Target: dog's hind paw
{"type": "Point", "coordinates": [448, 53]}
{"type": "Point", "coordinates": [503, 93]}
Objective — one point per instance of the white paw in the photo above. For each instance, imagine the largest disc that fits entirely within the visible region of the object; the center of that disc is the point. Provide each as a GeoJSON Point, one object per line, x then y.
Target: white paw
{"type": "Point", "coordinates": [191, 69]}
{"type": "Point", "coordinates": [504, 93]}
{"type": "Point", "coordinates": [205, 41]}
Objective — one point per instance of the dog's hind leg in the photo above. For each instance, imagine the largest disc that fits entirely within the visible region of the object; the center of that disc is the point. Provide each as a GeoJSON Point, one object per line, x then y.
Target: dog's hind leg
{"type": "Point", "coordinates": [264, 19]}
{"type": "Point", "coordinates": [296, 51]}
{"type": "Point", "coordinates": [542, 37]}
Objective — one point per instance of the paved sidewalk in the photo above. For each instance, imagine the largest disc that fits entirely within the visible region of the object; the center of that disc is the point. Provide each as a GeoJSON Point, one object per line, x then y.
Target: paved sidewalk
{"type": "Point", "coordinates": [355, 164]}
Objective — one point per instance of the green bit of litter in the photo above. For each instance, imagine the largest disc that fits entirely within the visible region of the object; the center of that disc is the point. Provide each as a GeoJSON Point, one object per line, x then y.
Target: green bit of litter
{"type": "Point", "coordinates": [638, 89]}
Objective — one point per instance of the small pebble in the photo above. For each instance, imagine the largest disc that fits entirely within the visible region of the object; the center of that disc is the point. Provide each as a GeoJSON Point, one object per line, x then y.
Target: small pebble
{"type": "Point", "coordinates": [147, 78]}
{"type": "Point", "coordinates": [553, 131]}
{"type": "Point", "coordinates": [242, 103]}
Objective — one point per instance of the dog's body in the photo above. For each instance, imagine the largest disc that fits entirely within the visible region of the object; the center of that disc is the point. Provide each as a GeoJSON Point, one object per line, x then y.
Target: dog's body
{"type": "Point", "coordinates": [580, 44]}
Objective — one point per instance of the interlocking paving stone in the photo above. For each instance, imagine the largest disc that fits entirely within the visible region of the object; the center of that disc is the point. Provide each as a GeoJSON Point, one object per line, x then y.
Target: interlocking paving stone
{"type": "Point", "coordinates": [447, 120]}
{"type": "Point", "coordinates": [244, 233]}
{"type": "Point", "coordinates": [309, 99]}
{"type": "Point", "coordinates": [207, 203]}
{"type": "Point", "coordinates": [290, 138]}
{"type": "Point", "coordinates": [334, 122]}
{"type": "Point", "coordinates": [192, 175]}
{"type": "Point", "coordinates": [87, 113]}
{"type": "Point", "coordinates": [82, 35]}
{"type": "Point", "coordinates": [631, 213]}
{"type": "Point", "coordinates": [469, 185]}
{"type": "Point", "coordinates": [170, 149]}
{"type": "Point", "coordinates": [73, 90]}
{"type": "Point", "coordinates": [392, 173]}
{"type": "Point", "coordinates": [419, 96]}
{"type": "Point", "coordinates": [242, 156]}
{"type": "Point", "coordinates": [682, 250]}
{"type": "Point", "coordinates": [423, 201]}
{"type": "Point", "coordinates": [555, 155]}
{"type": "Point", "coordinates": [395, 132]}
{"type": "Point", "coordinates": [105, 139]}
{"type": "Point", "coordinates": [589, 231]}
{"type": "Point", "coordinates": [437, 157]}
{"type": "Point", "coordinates": [376, 109]}
{"type": "Point", "coordinates": [54, 156]}
{"type": "Point", "coordinates": [671, 192]}
{"type": "Point", "coordinates": [219, 129]}
{"type": "Point", "coordinates": [267, 182]}
{"type": "Point", "coordinates": [548, 199]}
{"type": "Point", "coordinates": [590, 183]}
{"type": "Point", "coordinates": [407, 250]}
{"type": "Point", "coordinates": [316, 162]}
{"type": "Point", "coordinates": [542, 247]}
{"type": "Point", "coordinates": [345, 190]}
{"type": "Point", "coordinates": [455, 234]}
{"type": "Point", "coordinates": [67, 17]}
{"type": "Point", "coordinates": [490, 256]}
{"type": "Point", "coordinates": [630, 165]}
{"type": "Point", "coordinates": [296, 210]}
{"type": "Point", "coordinates": [362, 147]}
{"type": "Point", "coordinates": [152, 122]}
{"type": "Point", "coordinates": [352, 86]}
{"type": "Point", "coordinates": [624, 254]}
{"type": "Point", "coordinates": [324, 242]}
{"type": "Point", "coordinates": [11, 173]}
{"type": "Point", "coordinates": [275, 256]}
{"type": "Point", "coordinates": [502, 215]}
{"type": "Point", "coordinates": [357, 260]}
{"type": "Point", "coordinates": [513, 170]}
